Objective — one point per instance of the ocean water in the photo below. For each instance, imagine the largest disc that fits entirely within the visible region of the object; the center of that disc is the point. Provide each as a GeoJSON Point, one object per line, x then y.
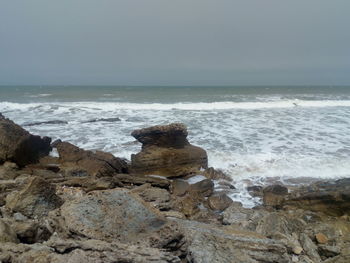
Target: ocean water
{"type": "Point", "coordinates": [257, 135]}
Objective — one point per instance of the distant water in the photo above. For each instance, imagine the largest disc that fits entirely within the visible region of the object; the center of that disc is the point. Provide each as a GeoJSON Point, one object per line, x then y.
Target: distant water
{"type": "Point", "coordinates": [255, 134]}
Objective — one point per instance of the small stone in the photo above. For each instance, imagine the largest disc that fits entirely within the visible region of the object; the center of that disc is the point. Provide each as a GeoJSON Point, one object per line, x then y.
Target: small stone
{"type": "Point", "coordinates": [321, 238]}
{"type": "Point", "coordinates": [219, 202]}
{"type": "Point", "coordinates": [297, 250]}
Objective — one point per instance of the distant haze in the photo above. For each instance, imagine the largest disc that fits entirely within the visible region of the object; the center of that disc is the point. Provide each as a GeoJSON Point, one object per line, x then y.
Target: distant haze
{"type": "Point", "coordinates": [178, 42]}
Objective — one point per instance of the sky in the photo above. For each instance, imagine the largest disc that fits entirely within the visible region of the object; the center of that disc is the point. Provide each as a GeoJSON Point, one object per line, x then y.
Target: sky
{"type": "Point", "coordinates": [175, 42]}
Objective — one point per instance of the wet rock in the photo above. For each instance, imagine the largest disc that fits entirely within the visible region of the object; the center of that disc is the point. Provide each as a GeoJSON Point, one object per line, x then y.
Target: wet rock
{"type": "Point", "coordinates": [166, 151]}
{"type": "Point", "coordinates": [332, 198]}
{"type": "Point", "coordinates": [273, 195]}
{"type": "Point", "coordinates": [216, 174]}
{"type": "Point", "coordinates": [104, 120]}
{"type": "Point", "coordinates": [255, 190]}
{"type": "Point", "coordinates": [219, 202]}
{"type": "Point", "coordinates": [35, 200]}
{"type": "Point", "coordinates": [19, 146]}
{"type": "Point", "coordinates": [97, 163]}
{"type": "Point", "coordinates": [45, 123]}
{"type": "Point", "coordinates": [179, 187]}
{"type": "Point", "coordinates": [7, 234]}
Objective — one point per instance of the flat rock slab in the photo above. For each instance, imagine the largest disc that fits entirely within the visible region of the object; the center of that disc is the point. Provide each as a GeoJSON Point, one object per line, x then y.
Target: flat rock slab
{"type": "Point", "coordinates": [111, 214]}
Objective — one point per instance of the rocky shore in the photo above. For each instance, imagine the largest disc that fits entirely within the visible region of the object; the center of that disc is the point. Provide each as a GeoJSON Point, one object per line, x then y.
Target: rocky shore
{"type": "Point", "coordinates": [162, 206]}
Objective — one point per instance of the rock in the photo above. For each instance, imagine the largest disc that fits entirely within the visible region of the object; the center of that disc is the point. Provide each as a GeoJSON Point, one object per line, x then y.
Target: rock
{"type": "Point", "coordinates": [19, 146]}
{"type": "Point", "coordinates": [57, 250]}
{"type": "Point", "coordinates": [310, 248]}
{"type": "Point", "coordinates": [45, 122]}
{"type": "Point", "coordinates": [159, 198]}
{"type": "Point", "coordinates": [321, 238]}
{"type": "Point", "coordinates": [104, 120]}
{"type": "Point", "coordinates": [274, 195]}
{"type": "Point", "coordinates": [187, 205]}
{"type": "Point", "coordinates": [179, 187]}
{"type": "Point", "coordinates": [219, 202]}
{"type": "Point", "coordinates": [112, 215]}
{"type": "Point", "coordinates": [208, 243]}
{"type": "Point", "coordinates": [7, 234]}
{"type": "Point", "coordinates": [202, 188]}
{"type": "Point", "coordinates": [166, 152]}
{"type": "Point", "coordinates": [331, 198]}
{"type": "Point", "coordinates": [328, 251]}
{"type": "Point", "coordinates": [237, 215]}
{"type": "Point", "coordinates": [35, 200]}
{"type": "Point", "coordinates": [216, 174]}
{"type": "Point", "coordinates": [255, 190]}
{"type": "Point", "coordinates": [97, 163]}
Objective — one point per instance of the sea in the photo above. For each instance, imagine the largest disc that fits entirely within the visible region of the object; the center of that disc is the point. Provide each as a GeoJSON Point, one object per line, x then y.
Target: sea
{"type": "Point", "coordinates": [257, 135]}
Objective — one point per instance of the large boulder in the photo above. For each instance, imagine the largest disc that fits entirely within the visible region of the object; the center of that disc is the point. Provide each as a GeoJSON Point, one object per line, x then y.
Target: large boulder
{"type": "Point", "coordinates": [19, 146]}
{"type": "Point", "coordinates": [36, 199]}
{"type": "Point", "coordinates": [166, 152]}
{"type": "Point", "coordinates": [97, 163]}
{"type": "Point", "coordinates": [117, 214]}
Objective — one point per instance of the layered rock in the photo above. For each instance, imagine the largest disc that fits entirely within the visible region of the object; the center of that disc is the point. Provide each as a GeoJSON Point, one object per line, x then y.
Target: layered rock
{"type": "Point", "coordinates": [19, 146]}
{"type": "Point", "coordinates": [166, 152]}
{"type": "Point", "coordinates": [332, 198]}
{"type": "Point", "coordinates": [97, 163]}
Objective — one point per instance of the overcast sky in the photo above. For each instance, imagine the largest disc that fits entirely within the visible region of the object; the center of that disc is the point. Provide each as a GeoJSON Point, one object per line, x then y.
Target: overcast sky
{"type": "Point", "coordinates": [174, 42]}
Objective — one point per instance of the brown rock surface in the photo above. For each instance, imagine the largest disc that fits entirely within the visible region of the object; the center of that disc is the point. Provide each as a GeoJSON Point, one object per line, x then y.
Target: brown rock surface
{"type": "Point", "coordinates": [97, 163]}
{"type": "Point", "coordinates": [19, 146]}
{"type": "Point", "coordinates": [219, 202]}
{"type": "Point", "coordinates": [36, 199]}
{"type": "Point", "coordinates": [166, 151]}
{"type": "Point", "coordinates": [332, 198]}
{"type": "Point", "coordinates": [274, 195]}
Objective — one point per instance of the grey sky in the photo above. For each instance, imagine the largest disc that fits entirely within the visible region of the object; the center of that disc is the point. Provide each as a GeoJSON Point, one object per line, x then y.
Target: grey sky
{"type": "Point", "coordinates": [174, 42]}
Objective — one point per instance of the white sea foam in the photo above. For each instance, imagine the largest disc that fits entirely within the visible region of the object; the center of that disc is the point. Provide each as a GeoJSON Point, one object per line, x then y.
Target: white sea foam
{"type": "Point", "coordinates": [253, 142]}
{"type": "Point", "coordinates": [224, 105]}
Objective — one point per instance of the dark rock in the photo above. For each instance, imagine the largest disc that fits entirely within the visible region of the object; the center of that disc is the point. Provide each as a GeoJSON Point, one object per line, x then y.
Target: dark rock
{"type": "Point", "coordinates": [166, 152]}
{"type": "Point", "coordinates": [19, 146]}
{"type": "Point", "coordinates": [255, 190]}
{"type": "Point", "coordinates": [219, 202]}
{"type": "Point", "coordinates": [97, 163]}
{"type": "Point", "coordinates": [45, 123]}
{"type": "Point", "coordinates": [104, 120]}
{"type": "Point", "coordinates": [274, 195]}
{"type": "Point", "coordinates": [36, 199]}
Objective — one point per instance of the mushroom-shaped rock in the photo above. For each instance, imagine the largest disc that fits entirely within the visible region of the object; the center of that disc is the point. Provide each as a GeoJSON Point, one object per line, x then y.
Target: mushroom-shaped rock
{"type": "Point", "coordinates": [19, 146]}
{"type": "Point", "coordinates": [166, 152]}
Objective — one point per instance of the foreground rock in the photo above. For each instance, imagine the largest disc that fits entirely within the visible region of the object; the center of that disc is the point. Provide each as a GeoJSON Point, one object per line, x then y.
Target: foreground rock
{"type": "Point", "coordinates": [226, 245]}
{"type": "Point", "coordinates": [166, 152]}
{"type": "Point", "coordinates": [118, 215]}
{"type": "Point", "coordinates": [19, 146]}
{"type": "Point", "coordinates": [97, 163]}
{"type": "Point", "coordinates": [35, 200]}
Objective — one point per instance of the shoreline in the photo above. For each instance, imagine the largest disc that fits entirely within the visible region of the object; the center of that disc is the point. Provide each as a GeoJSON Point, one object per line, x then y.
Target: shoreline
{"type": "Point", "coordinates": [92, 205]}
